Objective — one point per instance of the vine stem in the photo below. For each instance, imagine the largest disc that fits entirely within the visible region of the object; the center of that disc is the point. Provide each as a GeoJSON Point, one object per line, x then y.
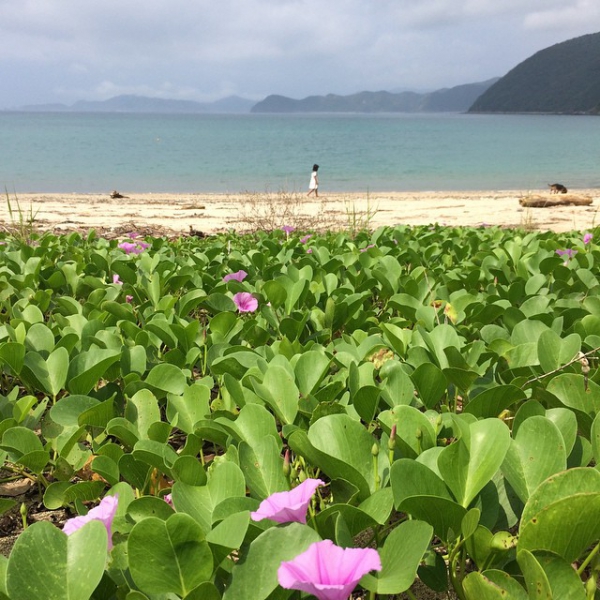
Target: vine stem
{"type": "Point", "coordinates": [588, 559]}
{"type": "Point", "coordinates": [575, 359]}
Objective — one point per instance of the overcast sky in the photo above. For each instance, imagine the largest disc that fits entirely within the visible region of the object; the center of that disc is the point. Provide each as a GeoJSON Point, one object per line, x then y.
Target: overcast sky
{"type": "Point", "coordinates": [69, 50]}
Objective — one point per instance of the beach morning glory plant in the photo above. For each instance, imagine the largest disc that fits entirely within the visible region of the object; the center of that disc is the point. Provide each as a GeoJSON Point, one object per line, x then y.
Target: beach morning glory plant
{"type": "Point", "coordinates": [285, 507]}
{"type": "Point", "coordinates": [245, 302]}
{"type": "Point", "coordinates": [327, 571]}
{"type": "Point", "coordinates": [104, 512]}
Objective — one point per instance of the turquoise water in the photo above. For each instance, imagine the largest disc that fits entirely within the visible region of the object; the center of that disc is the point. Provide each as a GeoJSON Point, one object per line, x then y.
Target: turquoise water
{"type": "Point", "coordinates": [237, 153]}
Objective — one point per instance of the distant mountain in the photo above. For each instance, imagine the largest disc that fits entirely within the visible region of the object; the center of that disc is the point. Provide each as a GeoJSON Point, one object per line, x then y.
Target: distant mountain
{"type": "Point", "coordinates": [143, 104]}
{"type": "Point", "coordinates": [456, 99]}
{"type": "Point", "coordinates": [564, 78]}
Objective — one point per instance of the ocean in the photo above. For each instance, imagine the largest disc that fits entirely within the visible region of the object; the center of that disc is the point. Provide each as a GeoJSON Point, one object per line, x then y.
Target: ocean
{"type": "Point", "coordinates": [95, 153]}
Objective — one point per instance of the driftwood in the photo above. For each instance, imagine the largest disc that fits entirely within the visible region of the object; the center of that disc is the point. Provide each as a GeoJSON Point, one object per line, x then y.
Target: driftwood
{"type": "Point", "coordinates": [114, 194]}
{"type": "Point", "coordinates": [545, 200]}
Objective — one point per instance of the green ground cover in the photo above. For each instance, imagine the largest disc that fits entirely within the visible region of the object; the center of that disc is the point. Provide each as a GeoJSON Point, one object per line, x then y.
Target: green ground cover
{"type": "Point", "coordinates": [442, 383]}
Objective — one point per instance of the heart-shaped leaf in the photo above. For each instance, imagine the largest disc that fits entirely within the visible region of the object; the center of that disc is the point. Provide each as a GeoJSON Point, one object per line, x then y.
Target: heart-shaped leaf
{"type": "Point", "coordinates": [75, 569]}
{"type": "Point", "coordinates": [169, 556]}
{"type": "Point", "coordinates": [470, 463]}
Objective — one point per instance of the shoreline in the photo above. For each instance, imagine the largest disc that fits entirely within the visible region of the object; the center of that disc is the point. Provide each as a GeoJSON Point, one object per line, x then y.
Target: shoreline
{"type": "Point", "coordinates": [209, 213]}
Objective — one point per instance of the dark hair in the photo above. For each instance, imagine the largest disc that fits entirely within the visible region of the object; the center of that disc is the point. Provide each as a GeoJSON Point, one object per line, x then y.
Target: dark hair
{"type": "Point", "coordinates": [315, 167]}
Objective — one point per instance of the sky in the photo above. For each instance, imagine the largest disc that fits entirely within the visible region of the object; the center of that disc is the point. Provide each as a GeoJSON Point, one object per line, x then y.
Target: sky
{"type": "Point", "coordinates": [61, 51]}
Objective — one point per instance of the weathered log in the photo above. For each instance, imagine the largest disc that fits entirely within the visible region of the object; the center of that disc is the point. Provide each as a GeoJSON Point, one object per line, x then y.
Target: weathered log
{"type": "Point", "coordinates": [546, 200]}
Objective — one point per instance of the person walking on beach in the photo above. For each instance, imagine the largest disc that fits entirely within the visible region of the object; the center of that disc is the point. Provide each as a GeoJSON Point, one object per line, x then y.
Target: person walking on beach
{"type": "Point", "coordinates": [313, 186]}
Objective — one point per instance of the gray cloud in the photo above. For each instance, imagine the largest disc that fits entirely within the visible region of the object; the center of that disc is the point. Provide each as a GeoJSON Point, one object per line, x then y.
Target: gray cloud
{"type": "Point", "coordinates": [65, 50]}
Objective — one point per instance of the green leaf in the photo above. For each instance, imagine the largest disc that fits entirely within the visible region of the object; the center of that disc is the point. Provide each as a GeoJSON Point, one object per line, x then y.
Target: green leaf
{"type": "Point", "coordinates": [167, 378]}
{"type": "Point", "coordinates": [184, 411]}
{"type": "Point", "coordinates": [262, 466]}
{"type": "Point", "coordinates": [400, 557]}
{"type": "Point", "coordinates": [536, 452]}
{"type": "Point", "coordinates": [256, 577]}
{"type": "Point", "coordinates": [535, 577]}
{"type": "Point", "coordinates": [310, 369]}
{"type": "Point", "coordinates": [554, 352]}
{"type": "Point", "coordinates": [574, 392]}
{"type": "Point", "coordinates": [341, 447]}
{"type": "Point", "coordinates": [46, 563]}
{"type": "Point", "coordinates": [493, 585]}
{"type": "Point", "coordinates": [88, 367]}
{"type": "Point", "coordinates": [493, 401]}
{"type": "Point", "coordinates": [279, 391]}
{"type": "Point", "coordinates": [225, 481]}
{"type": "Point", "coordinates": [228, 535]}
{"type": "Point", "coordinates": [563, 514]}
{"type": "Point", "coordinates": [169, 556]}
{"type": "Point", "coordinates": [470, 463]}
{"type": "Point", "coordinates": [58, 367]}
{"type": "Point", "coordinates": [430, 383]}
{"type": "Point", "coordinates": [414, 431]}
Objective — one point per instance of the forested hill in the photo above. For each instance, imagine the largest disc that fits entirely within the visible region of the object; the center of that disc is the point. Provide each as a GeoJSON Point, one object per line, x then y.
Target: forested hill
{"type": "Point", "coordinates": [564, 78]}
{"type": "Point", "coordinates": [456, 99]}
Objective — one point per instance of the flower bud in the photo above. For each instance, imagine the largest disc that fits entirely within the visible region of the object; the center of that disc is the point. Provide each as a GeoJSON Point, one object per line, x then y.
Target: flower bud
{"type": "Point", "coordinates": [392, 440]}
{"type": "Point", "coordinates": [286, 464]}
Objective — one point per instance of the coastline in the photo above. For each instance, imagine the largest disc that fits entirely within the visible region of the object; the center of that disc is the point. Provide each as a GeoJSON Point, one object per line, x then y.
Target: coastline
{"type": "Point", "coordinates": [209, 213]}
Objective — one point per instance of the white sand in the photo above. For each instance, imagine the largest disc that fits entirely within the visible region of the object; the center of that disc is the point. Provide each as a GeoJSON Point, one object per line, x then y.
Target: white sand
{"type": "Point", "coordinates": [212, 213]}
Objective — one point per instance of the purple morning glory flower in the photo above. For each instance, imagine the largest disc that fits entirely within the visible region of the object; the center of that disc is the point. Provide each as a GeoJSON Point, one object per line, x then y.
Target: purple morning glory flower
{"type": "Point", "coordinates": [287, 229]}
{"type": "Point", "coordinates": [245, 302]}
{"type": "Point", "coordinates": [305, 238]}
{"type": "Point", "coordinates": [133, 247]}
{"type": "Point", "coordinates": [367, 247]}
{"type": "Point", "coordinates": [327, 571]}
{"type": "Point", "coordinates": [129, 248]}
{"type": "Point", "coordinates": [284, 507]}
{"type": "Point", "coordinates": [117, 279]}
{"type": "Point", "coordinates": [239, 276]}
{"type": "Point", "coordinates": [568, 252]}
{"type": "Point", "coordinates": [104, 512]}
{"type": "Point", "coordinates": [128, 299]}
{"type": "Point", "coordinates": [168, 499]}
{"type": "Point", "coordinates": [587, 238]}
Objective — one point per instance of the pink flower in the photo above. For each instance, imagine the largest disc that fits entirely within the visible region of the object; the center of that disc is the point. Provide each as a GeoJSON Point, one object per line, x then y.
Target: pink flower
{"type": "Point", "coordinates": [128, 298]}
{"type": "Point", "coordinates": [287, 229]}
{"type": "Point", "coordinates": [104, 512]}
{"type": "Point", "coordinates": [117, 279]}
{"type": "Point", "coordinates": [309, 251]}
{"type": "Point", "coordinates": [587, 238]}
{"type": "Point", "coordinates": [133, 248]}
{"type": "Point", "coordinates": [283, 507]}
{"type": "Point", "coordinates": [305, 239]}
{"type": "Point", "coordinates": [569, 252]}
{"type": "Point", "coordinates": [367, 247]}
{"type": "Point", "coordinates": [327, 571]}
{"type": "Point", "coordinates": [168, 499]}
{"type": "Point", "coordinates": [239, 276]}
{"type": "Point", "coordinates": [128, 247]}
{"type": "Point", "coordinates": [245, 302]}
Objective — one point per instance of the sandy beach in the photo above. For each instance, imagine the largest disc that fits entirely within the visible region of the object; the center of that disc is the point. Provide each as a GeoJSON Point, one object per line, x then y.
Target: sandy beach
{"type": "Point", "coordinates": [173, 214]}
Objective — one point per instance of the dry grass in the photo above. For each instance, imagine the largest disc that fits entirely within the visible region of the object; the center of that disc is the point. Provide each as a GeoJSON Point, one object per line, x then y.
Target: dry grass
{"type": "Point", "coordinates": [271, 211]}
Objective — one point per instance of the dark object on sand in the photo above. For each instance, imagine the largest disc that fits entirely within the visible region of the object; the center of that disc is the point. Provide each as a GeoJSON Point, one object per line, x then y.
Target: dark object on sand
{"type": "Point", "coordinates": [196, 233]}
{"type": "Point", "coordinates": [543, 201]}
{"type": "Point", "coordinates": [557, 188]}
{"type": "Point", "coordinates": [115, 194]}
